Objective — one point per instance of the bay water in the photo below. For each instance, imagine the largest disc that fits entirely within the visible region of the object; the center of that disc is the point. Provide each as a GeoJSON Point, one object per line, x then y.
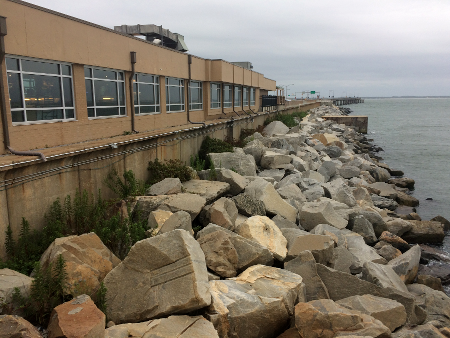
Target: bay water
{"type": "Point", "coordinates": [415, 136]}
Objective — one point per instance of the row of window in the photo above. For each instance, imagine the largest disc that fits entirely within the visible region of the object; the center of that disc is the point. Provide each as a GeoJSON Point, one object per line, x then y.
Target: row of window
{"type": "Point", "coordinates": [41, 90]}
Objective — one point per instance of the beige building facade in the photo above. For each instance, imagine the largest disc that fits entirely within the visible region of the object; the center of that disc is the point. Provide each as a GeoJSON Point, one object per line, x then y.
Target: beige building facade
{"type": "Point", "coordinates": [68, 81]}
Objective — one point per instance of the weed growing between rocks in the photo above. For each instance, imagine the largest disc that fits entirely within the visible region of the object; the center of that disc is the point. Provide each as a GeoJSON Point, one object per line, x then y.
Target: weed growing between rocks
{"type": "Point", "coordinates": [169, 169]}
{"type": "Point", "coordinates": [82, 215]}
{"type": "Point", "coordinates": [197, 163]}
{"type": "Point", "coordinates": [288, 119]}
{"type": "Point", "coordinates": [130, 186]}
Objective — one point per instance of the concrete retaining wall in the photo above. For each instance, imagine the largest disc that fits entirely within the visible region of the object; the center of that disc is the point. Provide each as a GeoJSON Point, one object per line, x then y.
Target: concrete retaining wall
{"type": "Point", "coordinates": [359, 122]}
{"type": "Point", "coordinates": [29, 190]}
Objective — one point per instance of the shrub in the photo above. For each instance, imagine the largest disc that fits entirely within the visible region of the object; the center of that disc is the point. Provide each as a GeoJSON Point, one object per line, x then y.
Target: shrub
{"type": "Point", "coordinates": [212, 145]}
{"type": "Point", "coordinates": [197, 163]}
{"type": "Point", "coordinates": [130, 186]}
{"type": "Point", "coordinates": [171, 168]}
{"type": "Point", "coordinates": [288, 119]}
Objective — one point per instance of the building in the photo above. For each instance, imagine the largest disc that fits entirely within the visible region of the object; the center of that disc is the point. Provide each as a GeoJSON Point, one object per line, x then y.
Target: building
{"type": "Point", "coordinates": [67, 92]}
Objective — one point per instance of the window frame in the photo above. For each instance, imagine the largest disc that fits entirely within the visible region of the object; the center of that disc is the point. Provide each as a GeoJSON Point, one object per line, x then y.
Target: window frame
{"type": "Point", "coordinates": [137, 97]}
{"type": "Point", "coordinates": [200, 88]}
{"type": "Point", "coordinates": [245, 97]}
{"type": "Point", "coordinates": [60, 77]}
{"type": "Point", "coordinates": [117, 81]}
{"type": "Point", "coordinates": [237, 103]}
{"type": "Point", "coordinates": [181, 88]}
{"type": "Point", "coordinates": [252, 96]}
{"type": "Point", "coordinates": [216, 104]}
{"type": "Point", "coordinates": [228, 104]}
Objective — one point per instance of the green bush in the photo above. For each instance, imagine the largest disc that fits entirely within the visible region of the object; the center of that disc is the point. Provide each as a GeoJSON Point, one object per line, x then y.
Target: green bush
{"type": "Point", "coordinates": [197, 163]}
{"type": "Point", "coordinates": [212, 145]}
{"type": "Point", "coordinates": [287, 119]}
{"type": "Point", "coordinates": [169, 169]}
{"type": "Point", "coordinates": [130, 186]}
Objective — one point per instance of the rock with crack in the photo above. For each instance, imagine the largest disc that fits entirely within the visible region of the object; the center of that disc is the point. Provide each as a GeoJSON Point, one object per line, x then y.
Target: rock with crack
{"type": "Point", "coordinates": [383, 276]}
{"type": "Point", "coordinates": [237, 182]}
{"type": "Point", "coordinates": [263, 230]}
{"type": "Point", "coordinates": [222, 212]}
{"type": "Point", "coordinates": [159, 267]}
{"type": "Point", "coordinates": [256, 304]}
{"type": "Point", "coordinates": [178, 220]}
{"type": "Point", "coordinates": [325, 318]}
{"type": "Point", "coordinates": [339, 191]}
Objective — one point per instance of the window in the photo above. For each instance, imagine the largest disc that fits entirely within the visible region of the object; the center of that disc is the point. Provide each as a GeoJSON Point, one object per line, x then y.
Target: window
{"type": "Point", "coordinates": [174, 94]}
{"type": "Point", "coordinates": [146, 94]}
{"type": "Point", "coordinates": [215, 95]}
{"type": "Point", "coordinates": [195, 96]}
{"type": "Point", "coordinates": [105, 92]}
{"type": "Point", "coordinates": [39, 90]}
{"type": "Point", "coordinates": [227, 96]}
{"type": "Point", "coordinates": [237, 96]}
{"type": "Point", "coordinates": [245, 96]}
{"type": "Point", "coordinates": [252, 96]}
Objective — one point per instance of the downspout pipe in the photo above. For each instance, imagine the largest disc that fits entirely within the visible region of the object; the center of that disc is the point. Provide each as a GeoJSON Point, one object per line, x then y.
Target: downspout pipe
{"type": "Point", "coordinates": [133, 73]}
{"type": "Point", "coordinates": [3, 32]}
{"type": "Point", "coordinates": [189, 94]}
{"type": "Point", "coordinates": [6, 139]}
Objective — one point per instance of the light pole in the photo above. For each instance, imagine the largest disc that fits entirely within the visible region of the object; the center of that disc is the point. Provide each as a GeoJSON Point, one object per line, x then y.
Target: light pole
{"type": "Point", "coordinates": [287, 88]}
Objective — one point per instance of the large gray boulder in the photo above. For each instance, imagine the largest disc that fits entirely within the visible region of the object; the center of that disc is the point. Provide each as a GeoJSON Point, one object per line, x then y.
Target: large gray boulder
{"type": "Point", "coordinates": [273, 160]}
{"type": "Point", "coordinates": [339, 191]}
{"type": "Point", "coordinates": [363, 227]}
{"type": "Point", "coordinates": [406, 266]}
{"type": "Point", "coordinates": [159, 268]}
{"type": "Point", "coordinates": [362, 252]}
{"type": "Point", "coordinates": [305, 266]}
{"type": "Point", "coordinates": [275, 128]}
{"type": "Point", "coordinates": [349, 171]}
{"type": "Point", "coordinates": [190, 203]}
{"type": "Point", "coordinates": [249, 252]}
{"type": "Point", "coordinates": [256, 304]}
{"type": "Point", "coordinates": [379, 174]}
{"type": "Point", "coordinates": [383, 276]}
{"type": "Point", "coordinates": [321, 246]}
{"type": "Point", "coordinates": [390, 312]}
{"type": "Point", "coordinates": [341, 285]}
{"type": "Point", "coordinates": [274, 204]}
{"type": "Point", "coordinates": [244, 164]}
{"type": "Point", "coordinates": [167, 186]}
{"type": "Point", "coordinates": [210, 190]}
{"type": "Point", "coordinates": [425, 232]}
{"type": "Point", "coordinates": [237, 182]}
{"type": "Point", "coordinates": [314, 213]}
{"type": "Point", "coordinates": [222, 212]}
{"type": "Point", "coordinates": [435, 303]}
{"type": "Point", "coordinates": [256, 149]}
{"type": "Point", "coordinates": [178, 220]}
{"type": "Point", "coordinates": [263, 230]}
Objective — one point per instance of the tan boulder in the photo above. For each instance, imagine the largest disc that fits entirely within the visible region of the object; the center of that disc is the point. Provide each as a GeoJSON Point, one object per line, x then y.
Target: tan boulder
{"type": "Point", "coordinates": [425, 232]}
{"type": "Point", "coordinates": [173, 326]}
{"type": "Point", "coordinates": [17, 327]}
{"type": "Point", "coordinates": [220, 254]}
{"type": "Point", "coordinates": [9, 280]}
{"type": "Point", "coordinates": [326, 319]}
{"type": "Point", "coordinates": [326, 138]}
{"type": "Point", "coordinates": [78, 318]}
{"type": "Point", "coordinates": [148, 282]}
{"type": "Point", "coordinates": [223, 212]}
{"type": "Point", "coordinates": [156, 220]}
{"type": "Point", "coordinates": [87, 259]}
{"type": "Point", "coordinates": [264, 231]}
{"type": "Point", "coordinates": [390, 312]}
{"type": "Point", "coordinates": [210, 190]}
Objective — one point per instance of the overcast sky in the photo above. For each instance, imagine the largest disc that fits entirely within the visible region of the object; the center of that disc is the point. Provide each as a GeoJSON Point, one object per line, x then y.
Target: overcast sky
{"type": "Point", "coordinates": [350, 47]}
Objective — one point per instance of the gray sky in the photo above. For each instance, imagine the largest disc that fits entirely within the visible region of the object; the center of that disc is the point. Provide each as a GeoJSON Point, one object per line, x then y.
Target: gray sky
{"type": "Point", "coordinates": [352, 47]}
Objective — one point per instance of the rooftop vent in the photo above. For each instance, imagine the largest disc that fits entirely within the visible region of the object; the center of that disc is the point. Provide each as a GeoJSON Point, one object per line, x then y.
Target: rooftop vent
{"type": "Point", "coordinates": [244, 64]}
{"type": "Point", "coordinates": [156, 34]}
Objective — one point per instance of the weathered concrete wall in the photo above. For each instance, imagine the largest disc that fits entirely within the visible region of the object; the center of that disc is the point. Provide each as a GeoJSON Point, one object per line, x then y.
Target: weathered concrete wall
{"type": "Point", "coordinates": [359, 122]}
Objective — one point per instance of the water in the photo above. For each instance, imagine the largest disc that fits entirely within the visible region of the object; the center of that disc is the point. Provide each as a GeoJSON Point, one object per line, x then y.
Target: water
{"type": "Point", "coordinates": [415, 136]}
